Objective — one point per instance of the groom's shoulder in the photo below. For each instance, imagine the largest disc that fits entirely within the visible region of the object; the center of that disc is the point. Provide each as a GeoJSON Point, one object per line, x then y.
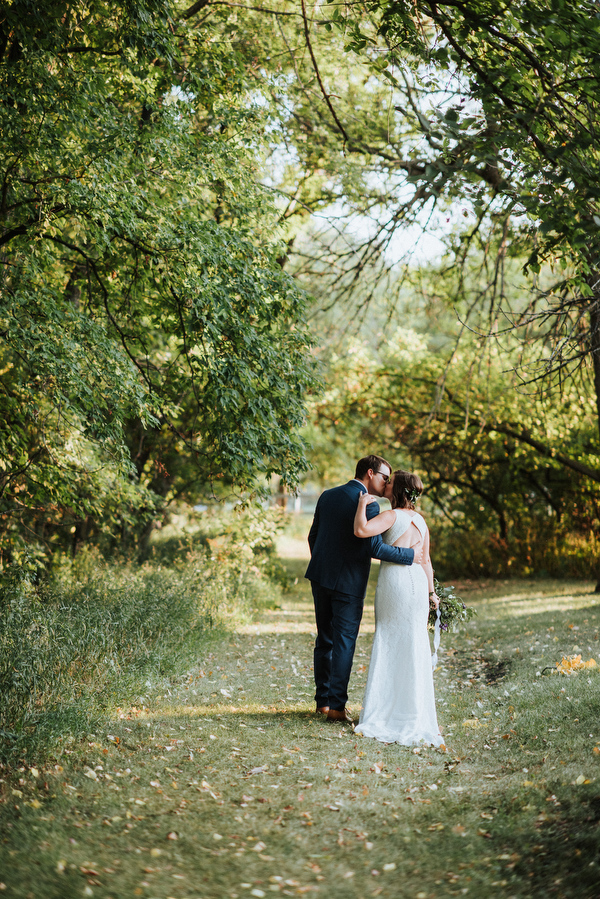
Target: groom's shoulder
{"type": "Point", "coordinates": [349, 490]}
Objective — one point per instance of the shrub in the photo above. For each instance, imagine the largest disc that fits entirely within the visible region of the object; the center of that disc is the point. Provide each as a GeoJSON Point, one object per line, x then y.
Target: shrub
{"type": "Point", "coordinates": [98, 634]}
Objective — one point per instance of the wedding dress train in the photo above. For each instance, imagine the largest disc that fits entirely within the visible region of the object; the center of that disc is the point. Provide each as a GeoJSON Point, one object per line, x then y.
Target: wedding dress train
{"type": "Point", "coordinates": [399, 703]}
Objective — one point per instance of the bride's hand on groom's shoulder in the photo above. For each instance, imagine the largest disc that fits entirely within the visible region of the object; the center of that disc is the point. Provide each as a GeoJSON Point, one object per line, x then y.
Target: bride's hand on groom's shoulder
{"type": "Point", "coordinates": [367, 499]}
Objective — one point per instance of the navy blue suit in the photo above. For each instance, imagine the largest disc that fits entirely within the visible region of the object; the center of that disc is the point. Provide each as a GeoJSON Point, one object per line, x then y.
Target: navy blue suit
{"type": "Point", "coordinates": [339, 572]}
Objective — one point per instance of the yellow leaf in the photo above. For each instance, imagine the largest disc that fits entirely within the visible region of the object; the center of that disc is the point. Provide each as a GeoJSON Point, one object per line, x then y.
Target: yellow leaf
{"type": "Point", "coordinates": [569, 664]}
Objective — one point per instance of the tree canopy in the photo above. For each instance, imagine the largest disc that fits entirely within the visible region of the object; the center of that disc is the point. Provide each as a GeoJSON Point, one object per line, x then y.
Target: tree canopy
{"type": "Point", "coordinates": [150, 340]}
{"type": "Point", "coordinates": [177, 178]}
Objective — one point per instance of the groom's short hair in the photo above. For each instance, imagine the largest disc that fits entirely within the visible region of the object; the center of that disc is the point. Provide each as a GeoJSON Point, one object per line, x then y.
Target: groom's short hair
{"type": "Point", "coordinates": [373, 462]}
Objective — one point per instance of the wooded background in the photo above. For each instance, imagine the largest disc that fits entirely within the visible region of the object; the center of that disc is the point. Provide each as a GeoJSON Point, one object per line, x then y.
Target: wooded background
{"type": "Point", "coordinates": [210, 281]}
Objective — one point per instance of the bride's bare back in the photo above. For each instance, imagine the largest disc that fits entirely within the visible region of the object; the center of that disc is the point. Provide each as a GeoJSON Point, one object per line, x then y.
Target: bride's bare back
{"type": "Point", "coordinates": [411, 538]}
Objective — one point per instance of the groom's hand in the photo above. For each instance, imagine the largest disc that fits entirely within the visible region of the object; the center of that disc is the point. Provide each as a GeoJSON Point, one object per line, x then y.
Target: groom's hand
{"type": "Point", "coordinates": [418, 554]}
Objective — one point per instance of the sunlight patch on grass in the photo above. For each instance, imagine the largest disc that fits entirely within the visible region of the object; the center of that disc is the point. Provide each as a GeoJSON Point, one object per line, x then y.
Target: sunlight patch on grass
{"type": "Point", "coordinates": [519, 605]}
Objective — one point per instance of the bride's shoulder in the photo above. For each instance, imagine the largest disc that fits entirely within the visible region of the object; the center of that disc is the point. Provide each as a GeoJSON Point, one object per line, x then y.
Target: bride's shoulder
{"type": "Point", "coordinates": [402, 513]}
{"type": "Point", "coordinates": [420, 523]}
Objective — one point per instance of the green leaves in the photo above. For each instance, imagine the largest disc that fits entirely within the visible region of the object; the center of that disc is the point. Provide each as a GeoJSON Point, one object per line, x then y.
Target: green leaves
{"type": "Point", "coordinates": [142, 300]}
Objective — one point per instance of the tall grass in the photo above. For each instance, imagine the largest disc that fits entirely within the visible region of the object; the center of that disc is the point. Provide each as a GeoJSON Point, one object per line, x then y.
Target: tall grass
{"type": "Point", "coordinates": [100, 634]}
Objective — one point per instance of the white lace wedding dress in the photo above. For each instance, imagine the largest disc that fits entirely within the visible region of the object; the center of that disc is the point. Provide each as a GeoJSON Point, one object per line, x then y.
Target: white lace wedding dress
{"type": "Point", "coordinates": [399, 703]}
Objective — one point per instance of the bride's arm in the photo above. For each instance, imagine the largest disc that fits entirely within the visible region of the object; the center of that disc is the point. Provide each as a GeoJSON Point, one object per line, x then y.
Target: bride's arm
{"type": "Point", "coordinates": [377, 525]}
{"type": "Point", "coordinates": [428, 567]}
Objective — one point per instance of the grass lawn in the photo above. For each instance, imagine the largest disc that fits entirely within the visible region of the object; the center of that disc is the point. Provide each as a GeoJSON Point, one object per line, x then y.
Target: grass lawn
{"type": "Point", "coordinates": [228, 785]}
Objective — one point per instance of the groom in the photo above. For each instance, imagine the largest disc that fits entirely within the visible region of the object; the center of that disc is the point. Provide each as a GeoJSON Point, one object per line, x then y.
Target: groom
{"type": "Point", "coordinates": [339, 572]}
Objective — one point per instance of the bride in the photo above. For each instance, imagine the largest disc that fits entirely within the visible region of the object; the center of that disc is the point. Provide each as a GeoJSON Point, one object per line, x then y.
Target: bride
{"type": "Point", "coordinates": [399, 703]}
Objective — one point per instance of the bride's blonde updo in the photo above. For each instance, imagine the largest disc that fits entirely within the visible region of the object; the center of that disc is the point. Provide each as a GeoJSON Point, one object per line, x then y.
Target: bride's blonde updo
{"type": "Point", "coordinates": [406, 489]}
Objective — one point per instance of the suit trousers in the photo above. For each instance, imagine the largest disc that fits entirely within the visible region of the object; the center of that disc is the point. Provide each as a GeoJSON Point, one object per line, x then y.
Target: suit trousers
{"type": "Point", "coordinates": [338, 617]}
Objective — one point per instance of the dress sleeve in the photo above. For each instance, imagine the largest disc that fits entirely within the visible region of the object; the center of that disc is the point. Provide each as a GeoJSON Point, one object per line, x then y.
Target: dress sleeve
{"type": "Point", "coordinates": [420, 524]}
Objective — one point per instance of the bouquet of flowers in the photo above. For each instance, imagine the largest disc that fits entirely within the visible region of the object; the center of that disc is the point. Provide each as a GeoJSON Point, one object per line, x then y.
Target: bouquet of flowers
{"type": "Point", "coordinates": [452, 609]}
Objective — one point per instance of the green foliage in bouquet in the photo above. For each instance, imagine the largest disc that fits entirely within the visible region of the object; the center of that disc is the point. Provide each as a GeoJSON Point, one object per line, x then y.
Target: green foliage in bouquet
{"type": "Point", "coordinates": [453, 610]}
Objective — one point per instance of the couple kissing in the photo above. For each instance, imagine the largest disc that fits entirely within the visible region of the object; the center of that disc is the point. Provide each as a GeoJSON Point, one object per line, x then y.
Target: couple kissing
{"type": "Point", "coordinates": [348, 530]}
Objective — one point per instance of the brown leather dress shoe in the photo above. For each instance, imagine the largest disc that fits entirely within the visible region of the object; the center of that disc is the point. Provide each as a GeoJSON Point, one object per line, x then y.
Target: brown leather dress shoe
{"type": "Point", "coordinates": [323, 709]}
{"type": "Point", "coordinates": [341, 716]}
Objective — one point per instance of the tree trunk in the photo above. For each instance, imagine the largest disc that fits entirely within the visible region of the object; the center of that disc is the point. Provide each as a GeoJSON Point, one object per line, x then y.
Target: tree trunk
{"type": "Point", "coordinates": [595, 353]}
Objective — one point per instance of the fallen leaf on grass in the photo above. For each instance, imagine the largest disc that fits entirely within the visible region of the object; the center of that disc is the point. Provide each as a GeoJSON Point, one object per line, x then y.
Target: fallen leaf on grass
{"type": "Point", "coordinates": [582, 779]}
{"type": "Point", "coordinates": [569, 664]}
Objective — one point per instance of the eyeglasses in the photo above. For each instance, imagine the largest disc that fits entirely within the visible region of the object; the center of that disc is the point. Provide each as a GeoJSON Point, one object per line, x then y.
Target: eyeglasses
{"type": "Point", "coordinates": [385, 477]}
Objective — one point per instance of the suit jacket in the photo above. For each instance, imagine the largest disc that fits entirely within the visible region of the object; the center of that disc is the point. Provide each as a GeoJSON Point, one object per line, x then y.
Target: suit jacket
{"type": "Point", "coordinates": [339, 560]}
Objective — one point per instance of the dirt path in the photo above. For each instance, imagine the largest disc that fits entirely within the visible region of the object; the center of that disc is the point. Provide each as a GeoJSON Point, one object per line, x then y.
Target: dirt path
{"type": "Point", "coordinates": [228, 785]}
